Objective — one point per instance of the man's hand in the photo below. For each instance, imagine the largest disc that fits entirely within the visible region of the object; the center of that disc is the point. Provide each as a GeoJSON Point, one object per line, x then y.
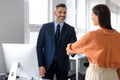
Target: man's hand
{"type": "Point", "coordinates": [42, 71]}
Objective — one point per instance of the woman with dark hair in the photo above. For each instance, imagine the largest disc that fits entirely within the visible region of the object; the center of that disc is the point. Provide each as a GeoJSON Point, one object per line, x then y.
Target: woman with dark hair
{"type": "Point", "coordinates": [102, 47]}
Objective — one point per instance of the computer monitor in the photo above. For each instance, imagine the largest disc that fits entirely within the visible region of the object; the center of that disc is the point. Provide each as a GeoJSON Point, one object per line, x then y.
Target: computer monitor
{"type": "Point", "coordinates": [25, 55]}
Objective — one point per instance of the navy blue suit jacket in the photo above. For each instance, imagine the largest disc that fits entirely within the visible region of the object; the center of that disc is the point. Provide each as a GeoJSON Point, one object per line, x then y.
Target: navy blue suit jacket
{"type": "Point", "coordinates": [46, 45]}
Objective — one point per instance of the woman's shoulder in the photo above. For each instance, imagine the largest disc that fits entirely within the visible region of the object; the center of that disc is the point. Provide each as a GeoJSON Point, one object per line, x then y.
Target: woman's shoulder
{"type": "Point", "coordinates": [91, 33]}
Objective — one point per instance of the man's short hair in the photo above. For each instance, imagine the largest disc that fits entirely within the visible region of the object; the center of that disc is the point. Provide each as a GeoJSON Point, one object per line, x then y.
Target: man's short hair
{"type": "Point", "coordinates": [60, 5]}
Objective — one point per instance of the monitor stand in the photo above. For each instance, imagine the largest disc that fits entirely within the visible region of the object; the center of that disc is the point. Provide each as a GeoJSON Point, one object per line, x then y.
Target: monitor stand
{"type": "Point", "coordinates": [13, 71]}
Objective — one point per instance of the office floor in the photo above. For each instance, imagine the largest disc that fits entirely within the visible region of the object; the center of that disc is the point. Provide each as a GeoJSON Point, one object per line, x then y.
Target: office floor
{"type": "Point", "coordinates": [73, 77]}
{"type": "Point", "coordinates": [80, 77]}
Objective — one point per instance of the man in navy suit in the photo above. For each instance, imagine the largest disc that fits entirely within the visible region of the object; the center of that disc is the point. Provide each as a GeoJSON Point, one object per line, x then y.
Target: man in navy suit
{"type": "Point", "coordinates": [52, 57]}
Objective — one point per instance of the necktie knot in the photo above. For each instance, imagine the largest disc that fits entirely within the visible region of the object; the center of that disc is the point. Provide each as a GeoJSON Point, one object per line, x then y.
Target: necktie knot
{"type": "Point", "coordinates": [58, 29]}
{"type": "Point", "coordinates": [58, 26]}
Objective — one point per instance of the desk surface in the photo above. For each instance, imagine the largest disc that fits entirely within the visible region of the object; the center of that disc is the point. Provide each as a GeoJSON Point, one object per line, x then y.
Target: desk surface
{"type": "Point", "coordinates": [77, 56]}
{"type": "Point", "coordinates": [30, 79]}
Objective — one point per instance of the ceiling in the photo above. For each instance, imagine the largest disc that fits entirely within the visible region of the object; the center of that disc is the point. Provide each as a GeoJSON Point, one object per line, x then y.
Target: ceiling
{"type": "Point", "coordinates": [117, 2]}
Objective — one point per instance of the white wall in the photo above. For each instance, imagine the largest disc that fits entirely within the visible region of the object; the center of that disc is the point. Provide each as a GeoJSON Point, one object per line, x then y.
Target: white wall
{"type": "Point", "coordinates": [11, 24]}
{"type": "Point", "coordinates": [55, 2]}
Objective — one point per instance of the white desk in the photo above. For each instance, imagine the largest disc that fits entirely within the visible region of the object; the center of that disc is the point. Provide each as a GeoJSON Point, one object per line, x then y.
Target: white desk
{"type": "Point", "coordinates": [77, 57]}
{"type": "Point", "coordinates": [30, 79]}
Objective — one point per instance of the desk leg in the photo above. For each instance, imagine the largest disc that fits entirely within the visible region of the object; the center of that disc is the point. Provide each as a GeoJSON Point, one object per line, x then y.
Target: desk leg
{"type": "Point", "coordinates": [77, 64]}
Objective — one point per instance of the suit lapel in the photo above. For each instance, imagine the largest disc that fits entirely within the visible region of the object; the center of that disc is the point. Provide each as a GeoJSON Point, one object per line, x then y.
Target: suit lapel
{"type": "Point", "coordinates": [52, 32]}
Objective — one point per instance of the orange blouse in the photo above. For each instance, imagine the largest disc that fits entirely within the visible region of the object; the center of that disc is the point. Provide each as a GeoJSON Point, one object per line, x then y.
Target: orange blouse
{"type": "Point", "coordinates": [102, 47]}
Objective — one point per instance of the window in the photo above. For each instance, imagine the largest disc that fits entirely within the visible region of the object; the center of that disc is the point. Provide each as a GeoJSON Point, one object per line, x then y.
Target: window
{"type": "Point", "coordinates": [71, 12]}
{"type": "Point", "coordinates": [81, 15]}
{"type": "Point", "coordinates": [76, 15]}
{"type": "Point", "coordinates": [114, 20]}
{"type": "Point", "coordinates": [92, 4]}
{"type": "Point", "coordinates": [37, 12]}
{"type": "Point", "coordinates": [118, 23]}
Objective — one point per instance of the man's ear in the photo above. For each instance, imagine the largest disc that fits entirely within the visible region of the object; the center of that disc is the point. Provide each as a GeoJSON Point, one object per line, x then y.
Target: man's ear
{"type": "Point", "coordinates": [54, 12]}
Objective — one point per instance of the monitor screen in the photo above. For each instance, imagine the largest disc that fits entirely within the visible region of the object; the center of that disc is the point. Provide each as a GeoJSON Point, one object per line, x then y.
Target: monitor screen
{"type": "Point", "coordinates": [25, 55]}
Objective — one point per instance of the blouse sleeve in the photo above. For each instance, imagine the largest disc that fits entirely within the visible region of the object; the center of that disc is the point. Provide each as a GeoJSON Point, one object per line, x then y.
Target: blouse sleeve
{"type": "Point", "coordinates": [80, 45]}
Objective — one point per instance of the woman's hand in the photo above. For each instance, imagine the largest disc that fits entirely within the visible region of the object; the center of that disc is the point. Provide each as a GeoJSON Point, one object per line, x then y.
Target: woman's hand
{"type": "Point", "coordinates": [69, 52]}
